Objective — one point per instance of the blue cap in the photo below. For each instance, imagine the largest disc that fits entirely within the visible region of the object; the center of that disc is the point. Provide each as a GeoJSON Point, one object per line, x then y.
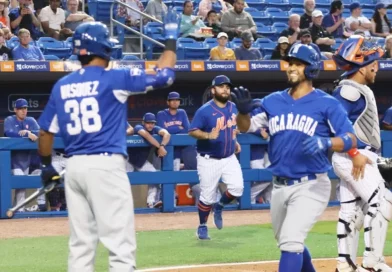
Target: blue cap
{"type": "Point", "coordinates": [380, 6]}
{"type": "Point", "coordinates": [173, 96]}
{"type": "Point", "coordinates": [21, 103]}
{"type": "Point", "coordinates": [222, 79]}
{"type": "Point", "coordinates": [354, 5]}
{"type": "Point", "coordinates": [149, 117]}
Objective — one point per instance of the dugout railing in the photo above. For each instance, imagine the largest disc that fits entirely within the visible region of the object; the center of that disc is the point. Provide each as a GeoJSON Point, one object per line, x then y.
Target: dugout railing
{"type": "Point", "coordinates": [167, 177]}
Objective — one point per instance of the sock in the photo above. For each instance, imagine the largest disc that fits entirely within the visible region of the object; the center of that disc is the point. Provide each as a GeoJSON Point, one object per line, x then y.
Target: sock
{"type": "Point", "coordinates": [307, 265]}
{"type": "Point", "coordinates": [290, 262]}
{"type": "Point", "coordinates": [226, 199]}
{"type": "Point", "coordinates": [204, 212]}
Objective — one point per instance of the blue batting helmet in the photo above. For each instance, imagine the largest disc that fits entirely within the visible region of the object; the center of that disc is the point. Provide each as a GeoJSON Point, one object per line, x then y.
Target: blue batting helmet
{"type": "Point", "coordinates": [92, 38]}
{"type": "Point", "coordinates": [355, 53]}
{"type": "Point", "coordinates": [307, 55]}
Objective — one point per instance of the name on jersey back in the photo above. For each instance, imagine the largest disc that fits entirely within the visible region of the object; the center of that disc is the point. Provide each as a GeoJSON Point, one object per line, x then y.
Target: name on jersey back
{"type": "Point", "coordinates": [88, 88]}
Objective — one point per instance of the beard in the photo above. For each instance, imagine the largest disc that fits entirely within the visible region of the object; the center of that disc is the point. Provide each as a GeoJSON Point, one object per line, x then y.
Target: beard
{"type": "Point", "coordinates": [220, 98]}
{"type": "Point", "coordinates": [293, 83]}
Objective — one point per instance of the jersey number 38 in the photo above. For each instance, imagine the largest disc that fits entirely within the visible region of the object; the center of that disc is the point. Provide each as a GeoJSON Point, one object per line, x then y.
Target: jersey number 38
{"type": "Point", "coordinates": [84, 115]}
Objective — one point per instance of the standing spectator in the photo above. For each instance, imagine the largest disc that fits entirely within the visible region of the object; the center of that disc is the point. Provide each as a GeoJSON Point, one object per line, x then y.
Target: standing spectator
{"type": "Point", "coordinates": [19, 126]}
{"type": "Point", "coordinates": [26, 51]}
{"type": "Point", "coordinates": [306, 18]}
{"type": "Point", "coordinates": [52, 18]}
{"type": "Point", "coordinates": [205, 6]}
{"type": "Point", "coordinates": [282, 49]}
{"type": "Point", "coordinates": [381, 27]}
{"type": "Point", "coordinates": [221, 52]}
{"type": "Point", "coordinates": [213, 22]}
{"type": "Point", "coordinates": [320, 35]}
{"type": "Point", "coordinates": [356, 21]}
{"type": "Point", "coordinates": [24, 17]}
{"type": "Point", "coordinates": [156, 9]}
{"type": "Point", "coordinates": [292, 32]}
{"type": "Point", "coordinates": [387, 120]}
{"type": "Point", "coordinates": [388, 47]}
{"type": "Point", "coordinates": [73, 17]}
{"type": "Point", "coordinates": [132, 18]}
{"type": "Point", "coordinates": [334, 21]}
{"type": "Point", "coordinates": [4, 18]}
{"type": "Point", "coordinates": [189, 23]}
{"type": "Point", "coordinates": [236, 20]}
{"type": "Point", "coordinates": [245, 52]}
{"type": "Point", "coordinates": [5, 52]}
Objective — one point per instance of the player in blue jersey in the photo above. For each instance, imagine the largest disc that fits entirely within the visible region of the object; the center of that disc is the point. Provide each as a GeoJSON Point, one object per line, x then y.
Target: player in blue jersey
{"type": "Point", "coordinates": [21, 126]}
{"type": "Point", "coordinates": [89, 109]}
{"type": "Point", "coordinates": [364, 201]}
{"type": "Point", "coordinates": [301, 120]}
{"type": "Point", "coordinates": [214, 126]}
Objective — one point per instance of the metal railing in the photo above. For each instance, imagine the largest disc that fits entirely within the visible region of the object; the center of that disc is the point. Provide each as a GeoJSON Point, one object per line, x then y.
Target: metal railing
{"type": "Point", "coordinates": [140, 32]}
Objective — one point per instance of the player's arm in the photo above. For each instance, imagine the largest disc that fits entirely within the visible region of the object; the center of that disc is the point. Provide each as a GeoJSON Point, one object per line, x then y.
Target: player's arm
{"type": "Point", "coordinates": [197, 127]}
{"type": "Point", "coordinates": [165, 136]}
{"type": "Point", "coordinates": [149, 138]}
{"type": "Point", "coordinates": [9, 128]}
{"type": "Point", "coordinates": [130, 129]}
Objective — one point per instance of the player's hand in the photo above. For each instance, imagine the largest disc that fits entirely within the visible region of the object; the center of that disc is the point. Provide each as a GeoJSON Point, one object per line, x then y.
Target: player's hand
{"type": "Point", "coordinates": [241, 97]}
{"type": "Point", "coordinates": [237, 148]}
{"type": "Point", "coordinates": [359, 165]}
{"type": "Point", "coordinates": [32, 136]}
{"type": "Point", "coordinates": [49, 174]}
{"type": "Point", "coordinates": [171, 25]}
{"type": "Point", "coordinates": [314, 145]}
{"type": "Point", "coordinates": [214, 134]}
{"type": "Point", "coordinates": [264, 133]}
{"type": "Point", "coordinates": [23, 132]}
{"type": "Point", "coordinates": [162, 151]}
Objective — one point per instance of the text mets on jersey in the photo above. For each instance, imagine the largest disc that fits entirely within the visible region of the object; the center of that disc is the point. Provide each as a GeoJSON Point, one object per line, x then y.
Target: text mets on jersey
{"type": "Point", "coordinates": [298, 122]}
{"type": "Point", "coordinates": [88, 88]}
{"type": "Point", "coordinates": [221, 124]}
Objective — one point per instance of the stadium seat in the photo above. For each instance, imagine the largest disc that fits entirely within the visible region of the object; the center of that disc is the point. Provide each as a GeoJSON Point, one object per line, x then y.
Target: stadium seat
{"type": "Point", "coordinates": [51, 57]}
{"type": "Point", "coordinates": [210, 42]}
{"type": "Point", "coordinates": [381, 41]}
{"type": "Point", "coordinates": [51, 46]}
{"type": "Point", "coordinates": [257, 4]}
{"type": "Point", "coordinates": [281, 4]}
{"type": "Point", "coordinates": [346, 13]}
{"type": "Point", "coordinates": [279, 27]}
{"type": "Point", "coordinates": [368, 13]}
{"type": "Point", "coordinates": [100, 9]}
{"type": "Point", "coordinates": [179, 10]}
{"type": "Point", "coordinates": [130, 57]}
{"type": "Point", "coordinates": [277, 15]}
{"type": "Point", "coordinates": [347, 3]}
{"type": "Point", "coordinates": [266, 31]}
{"type": "Point", "coordinates": [325, 11]}
{"type": "Point", "coordinates": [73, 57]}
{"type": "Point", "coordinates": [323, 4]}
{"type": "Point", "coordinates": [261, 17]}
{"type": "Point", "coordinates": [338, 42]}
{"type": "Point", "coordinates": [299, 11]}
{"type": "Point", "coordinates": [297, 3]}
{"type": "Point", "coordinates": [236, 42]}
{"type": "Point", "coordinates": [153, 30]}
{"type": "Point", "coordinates": [68, 42]}
{"type": "Point", "coordinates": [267, 57]}
{"type": "Point", "coordinates": [189, 49]}
{"type": "Point", "coordinates": [251, 9]}
{"type": "Point", "coordinates": [368, 4]}
{"type": "Point", "coordinates": [14, 41]}
{"type": "Point", "coordinates": [266, 45]}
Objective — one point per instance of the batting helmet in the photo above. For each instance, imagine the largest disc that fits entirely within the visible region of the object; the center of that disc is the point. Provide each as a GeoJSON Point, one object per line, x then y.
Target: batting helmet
{"type": "Point", "coordinates": [92, 38]}
{"type": "Point", "coordinates": [356, 52]}
{"type": "Point", "coordinates": [309, 56]}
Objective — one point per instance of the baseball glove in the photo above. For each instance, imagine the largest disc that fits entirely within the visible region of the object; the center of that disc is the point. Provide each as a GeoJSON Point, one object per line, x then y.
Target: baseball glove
{"type": "Point", "coordinates": [385, 168]}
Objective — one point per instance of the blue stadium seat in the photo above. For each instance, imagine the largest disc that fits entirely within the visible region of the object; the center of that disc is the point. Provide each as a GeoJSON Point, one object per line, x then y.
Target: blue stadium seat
{"type": "Point", "coordinates": [68, 42]}
{"type": "Point", "coordinates": [277, 15]}
{"type": "Point", "coordinates": [381, 41]}
{"type": "Point", "coordinates": [179, 10]}
{"type": "Point", "coordinates": [153, 30]}
{"type": "Point", "coordinates": [73, 57]}
{"type": "Point", "coordinates": [298, 11]}
{"type": "Point", "coordinates": [189, 49]}
{"type": "Point", "coordinates": [323, 4]}
{"type": "Point", "coordinates": [325, 11]}
{"type": "Point", "coordinates": [210, 42]}
{"type": "Point", "coordinates": [51, 57]}
{"type": "Point", "coordinates": [267, 57]}
{"type": "Point", "coordinates": [236, 42]}
{"type": "Point", "coordinates": [389, 14]}
{"type": "Point", "coordinates": [168, 3]}
{"type": "Point", "coordinates": [251, 9]}
{"type": "Point", "coordinates": [130, 57]}
{"type": "Point", "coordinates": [346, 13]}
{"type": "Point", "coordinates": [266, 31]}
{"type": "Point", "coordinates": [338, 42]}
{"type": "Point", "coordinates": [261, 17]}
{"type": "Point", "coordinates": [347, 3]}
{"type": "Point", "coordinates": [257, 4]}
{"type": "Point", "coordinates": [281, 4]}
{"type": "Point", "coordinates": [368, 4]}
{"type": "Point", "coordinates": [368, 13]}
{"type": "Point", "coordinates": [297, 3]}
{"type": "Point", "coordinates": [14, 41]}
{"type": "Point", "coordinates": [50, 46]}
{"type": "Point", "coordinates": [177, 3]}
{"type": "Point", "coordinates": [100, 9]}
{"type": "Point", "coordinates": [279, 27]}
{"type": "Point", "coordinates": [266, 45]}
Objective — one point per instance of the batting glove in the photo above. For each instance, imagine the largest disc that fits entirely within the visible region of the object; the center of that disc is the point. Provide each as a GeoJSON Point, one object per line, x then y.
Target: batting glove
{"type": "Point", "coordinates": [49, 174]}
{"type": "Point", "coordinates": [241, 97]}
{"type": "Point", "coordinates": [315, 145]}
{"type": "Point", "coordinates": [171, 25]}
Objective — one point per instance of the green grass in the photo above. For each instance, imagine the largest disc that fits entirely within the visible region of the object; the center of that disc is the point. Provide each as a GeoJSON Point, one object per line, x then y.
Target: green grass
{"type": "Point", "coordinates": [168, 248]}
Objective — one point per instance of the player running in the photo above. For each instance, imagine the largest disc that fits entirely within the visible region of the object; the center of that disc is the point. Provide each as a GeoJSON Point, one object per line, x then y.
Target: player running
{"type": "Point", "coordinates": [300, 120]}
{"type": "Point", "coordinates": [89, 109]}
{"type": "Point", "coordinates": [358, 58]}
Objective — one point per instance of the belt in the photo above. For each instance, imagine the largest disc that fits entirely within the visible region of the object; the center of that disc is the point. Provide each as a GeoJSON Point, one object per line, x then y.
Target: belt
{"type": "Point", "coordinates": [61, 155]}
{"type": "Point", "coordinates": [207, 156]}
{"type": "Point", "coordinates": [292, 181]}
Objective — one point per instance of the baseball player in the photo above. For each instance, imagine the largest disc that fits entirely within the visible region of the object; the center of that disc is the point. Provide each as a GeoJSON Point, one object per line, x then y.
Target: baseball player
{"type": "Point", "coordinates": [140, 158]}
{"type": "Point", "coordinates": [214, 127]}
{"type": "Point", "coordinates": [300, 120]}
{"type": "Point", "coordinates": [89, 109]}
{"type": "Point", "coordinates": [19, 126]}
{"type": "Point", "coordinates": [364, 201]}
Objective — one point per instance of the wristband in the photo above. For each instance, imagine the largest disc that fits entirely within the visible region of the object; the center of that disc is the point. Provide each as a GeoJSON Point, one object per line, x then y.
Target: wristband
{"type": "Point", "coordinates": [171, 45]}
{"type": "Point", "coordinates": [347, 142]}
{"type": "Point", "coordinates": [353, 152]}
{"type": "Point", "coordinates": [46, 160]}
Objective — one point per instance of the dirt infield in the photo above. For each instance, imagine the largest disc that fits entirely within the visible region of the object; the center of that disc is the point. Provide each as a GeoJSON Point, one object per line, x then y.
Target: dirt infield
{"type": "Point", "coordinates": [19, 228]}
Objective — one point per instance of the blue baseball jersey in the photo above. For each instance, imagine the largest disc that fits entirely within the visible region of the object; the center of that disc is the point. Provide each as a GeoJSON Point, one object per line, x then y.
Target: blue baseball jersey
{"type": "Point", "coordinates": [291, 122]}
{"type": "Point", "coordinates": [139, 155]}
{"type": "Point", "coordinates": [257, 152]}
{"type": "Point", "coordinates": [210, 116]}
{"type": "Point", "coordinates": [20, 159]}
{"type": "Point", "coordinates": [387, 119]}
{"type": "Point", "coordinates": [353, 109]}
{"type": "Point", "coordinates": [89, 109]}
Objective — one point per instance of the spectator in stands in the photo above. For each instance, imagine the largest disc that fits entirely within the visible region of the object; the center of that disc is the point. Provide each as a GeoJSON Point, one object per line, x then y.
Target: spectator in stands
{"type": "Point", "coordinates": [52, 18]}
{"type": "Point", "coordinates": [4, 18]}
{"type": "Point", "coordinates": [245, 52]}
{"type": "Point", "coordinates": [24, 17]}
{"type": "Point", "coordinates": [305, 37]}
{"type": "Point", "coordinates": [221, 52]}
{"type": "Point", "coordinates": [320, 35]}
{"type": "Point", "coordinates": [306, 18]}
{"type": "Point", "coordinates": [26, 51]}
{"type": "Point", "coordinates": [282, 49]}
{"type": "Point", "coordinates": [386, 123]}
{"type": "Point", "coordinates": [156, 9]}
{"type": "Point", "coordinates": [236, 20]}
{"type": "Point", "coordinates": [189, 23]}
{"type": "Point", "coordinates": [131, 18]}
{"type": "Point", "coordinates": [334, 21]}
{"type": "Point", "coordinates": [7, 33]}
{"type": "Point", "coordinates": [73, 17]}
{"type": "Point", "coordinates": [205, 6]}
{"type": "Point", "coordinates": [292, 32]}
{"type": "Point", "coordinates": [381, 27]}
{"type": "Point", "coordinates": [213, 22]}
{"type": "Point", "coordinates": [5, 52]}
{"type": "Point", "coordinates": [388, 47]}
{"type": "Point", "coordinates": [356, 21]}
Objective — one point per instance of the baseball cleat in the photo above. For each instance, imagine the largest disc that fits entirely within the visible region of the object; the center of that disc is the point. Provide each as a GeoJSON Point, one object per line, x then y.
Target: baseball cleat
{"type": "Point", "coordinates": [218, 216]}
{"type": "Point", "coordinates": [344, 267]}
{"type": "Point", "coordinates": [380, 267]}
{"type": "Point", "coordinates": [202, 233]}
